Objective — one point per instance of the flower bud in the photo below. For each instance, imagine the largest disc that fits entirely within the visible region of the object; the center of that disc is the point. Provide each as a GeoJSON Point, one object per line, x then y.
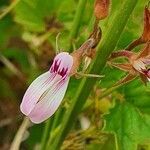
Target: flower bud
{"type": "Point", "coordinates": [101, 9]}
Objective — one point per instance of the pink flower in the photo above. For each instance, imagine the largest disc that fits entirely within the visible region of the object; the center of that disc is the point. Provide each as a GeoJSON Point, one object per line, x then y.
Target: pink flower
{"type": "Point", "coordinates": [46, 92]}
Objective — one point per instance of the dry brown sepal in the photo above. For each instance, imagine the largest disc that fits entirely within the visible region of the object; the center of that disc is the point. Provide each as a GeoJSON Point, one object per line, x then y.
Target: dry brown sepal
{"type": "Point", "coordinates": [101, 9]}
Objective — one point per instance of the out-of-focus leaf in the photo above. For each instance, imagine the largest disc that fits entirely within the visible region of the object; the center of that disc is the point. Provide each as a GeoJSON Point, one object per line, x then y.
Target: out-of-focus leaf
{"type": "Point", "coordinates": [32, 14]}
{"type": "Point", "coordinates": [5, 90]}
{"type": "Point", "coordinates": [20, 56]}
{"type": "Point", "coordinates": [5, 27]}
{"type": "Point", "coordinates": [28, 14]}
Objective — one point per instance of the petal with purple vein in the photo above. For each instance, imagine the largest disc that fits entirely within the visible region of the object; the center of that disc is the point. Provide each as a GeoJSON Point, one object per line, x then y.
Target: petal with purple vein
{"type": "Point", "coordinates": [49, 102]}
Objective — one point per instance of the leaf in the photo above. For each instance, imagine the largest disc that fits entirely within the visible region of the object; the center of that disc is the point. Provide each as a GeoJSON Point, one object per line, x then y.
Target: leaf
{"type": "Point", "coordinates": [137, 94]}
{"type": "Point", "coordinates": [5, 90]}
{"type": "Point", "coordinates": [27, 14]}
{"type": "Point", "coordinates": [129, 125]}
{"type": "Point", "coordinates": [32, 13]}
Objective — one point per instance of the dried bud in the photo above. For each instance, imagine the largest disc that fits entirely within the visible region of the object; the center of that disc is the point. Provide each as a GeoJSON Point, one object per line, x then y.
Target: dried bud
{"type": "Point", "coordinates": [146, 31]}
{"type": "Point", "coordinates": [101, 9]}
{"type": "Point", "coordinates": [79, 53]}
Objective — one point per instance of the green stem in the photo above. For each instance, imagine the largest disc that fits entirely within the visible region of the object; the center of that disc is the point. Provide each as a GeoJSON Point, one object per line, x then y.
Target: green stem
{"type": "Point", "coordinates": [107, 46]}
{"type": "Point", "coordinates": [54, 125]}
{"type": "Point", "coordinates": [77, 21]}
{"type": "Point", "coordinates": [53, 136]}
{"type": "Point", "coordinates": [9, 8]}
{"type": "Point", "coordinates": [45, 134]}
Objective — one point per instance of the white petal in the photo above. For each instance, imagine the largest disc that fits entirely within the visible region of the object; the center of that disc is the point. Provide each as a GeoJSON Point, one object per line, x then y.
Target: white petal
{"type": "Point", "coordinates": [49, 102]}
{"type": "Point", "coordinates": [35, 90]}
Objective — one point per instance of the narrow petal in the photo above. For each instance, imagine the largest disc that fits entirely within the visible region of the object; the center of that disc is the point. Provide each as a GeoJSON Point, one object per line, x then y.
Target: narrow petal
{"type": "Point", "coordinates": [139, 65]}
{"type": "Point", "coordinates": [146, 61]}
{"type": "Point", "coordinates": [145, 52]}
{"type": "Point", "coordinates": [123, 67]}
{"type": "Point", "coordinates": [34, 92]}
{"type": "Point", "coordinates": [121, 53]}
{"type": "Point", "coordinates": [49, 102]}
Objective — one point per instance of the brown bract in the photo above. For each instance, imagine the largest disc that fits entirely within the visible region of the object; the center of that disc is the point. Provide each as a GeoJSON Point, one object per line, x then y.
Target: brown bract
{"type": "Point", "coordinates": [80, 53]}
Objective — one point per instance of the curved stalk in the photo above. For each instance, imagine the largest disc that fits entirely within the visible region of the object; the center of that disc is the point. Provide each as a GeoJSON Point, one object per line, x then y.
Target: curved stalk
{"type": "Point", "coordinates": [9, 8]}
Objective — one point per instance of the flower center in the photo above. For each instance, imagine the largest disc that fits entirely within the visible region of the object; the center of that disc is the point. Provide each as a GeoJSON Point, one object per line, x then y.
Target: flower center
{"type": "Point", "coordinates": [58, 68]}
{"type": "Point", "coordinates": [62, 64]}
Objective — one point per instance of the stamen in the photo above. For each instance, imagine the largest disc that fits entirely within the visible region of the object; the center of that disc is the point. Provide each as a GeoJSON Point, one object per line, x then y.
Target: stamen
{"type": "Point", "coordinates": [63, 72]}
{"type": "Point", "coordinates": [56, 65]}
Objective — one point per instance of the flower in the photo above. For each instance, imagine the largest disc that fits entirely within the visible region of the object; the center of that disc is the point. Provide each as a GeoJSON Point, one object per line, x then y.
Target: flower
{"type": "Point", "coordinates": [138, 64]}
{"type": "Point", "coordinates": [141, 65]}
{"type": "Point", "coordinates": [46, 92]}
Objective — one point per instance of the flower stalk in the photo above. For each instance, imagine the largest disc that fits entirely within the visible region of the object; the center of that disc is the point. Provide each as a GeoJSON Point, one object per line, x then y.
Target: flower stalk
{"type": "Point", "coordinates": [107, 46]}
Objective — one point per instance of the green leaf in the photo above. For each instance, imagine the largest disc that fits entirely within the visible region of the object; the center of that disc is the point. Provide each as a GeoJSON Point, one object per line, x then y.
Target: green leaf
{"type": "Point", "coordinates": [20, 56]}
{"type": "Point", "coordinates": [137, 94]}
{"type": "Point", "coordinates": [129, 125]}
{"type": "Point", "coordinates": [32, 13]}
{"type": "Point", "coordinates": [5, 90]}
